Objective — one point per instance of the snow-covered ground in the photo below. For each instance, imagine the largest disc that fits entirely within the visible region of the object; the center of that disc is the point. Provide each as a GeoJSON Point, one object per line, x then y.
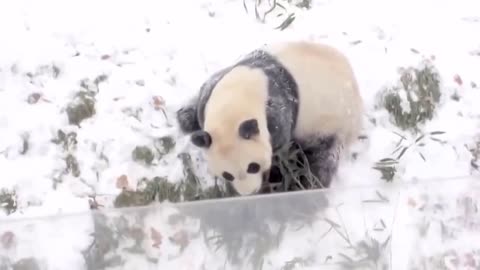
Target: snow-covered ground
{"type": "Point", "coordinates": [141, 59]}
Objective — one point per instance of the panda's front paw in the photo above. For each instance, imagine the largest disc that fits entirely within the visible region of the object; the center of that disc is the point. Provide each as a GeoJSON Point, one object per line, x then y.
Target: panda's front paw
{"type": "Point", "coordinates": [187, 119]}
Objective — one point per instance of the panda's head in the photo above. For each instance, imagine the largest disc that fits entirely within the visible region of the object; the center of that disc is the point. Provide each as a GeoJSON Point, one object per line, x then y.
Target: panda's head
{"type": "Point", "coordinates": [240, 154]}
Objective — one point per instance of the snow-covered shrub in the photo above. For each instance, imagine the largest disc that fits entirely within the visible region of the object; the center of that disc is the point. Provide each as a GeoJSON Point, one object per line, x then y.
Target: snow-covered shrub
{"type": "Point", "coordinates": [413, 99]}
{"type": "Point", "coordinates": [8, 201]}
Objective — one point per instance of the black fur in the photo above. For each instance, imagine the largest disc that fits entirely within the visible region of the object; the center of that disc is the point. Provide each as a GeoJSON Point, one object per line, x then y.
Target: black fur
{"type": "Point", "coordinates": [322, 157]}
{"type": "Point", "coordinates": [201, 138]}
{"type": "Point", "coordinates": [187, 117]}
{"type": "Point", "coordinates": [248, 129]}
{"type": "Point", "coordinates": [253, 167]}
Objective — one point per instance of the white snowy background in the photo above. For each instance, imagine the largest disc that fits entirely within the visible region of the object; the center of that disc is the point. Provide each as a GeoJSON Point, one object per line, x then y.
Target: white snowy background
{"type": "Point", "coordinates": [157, 53]}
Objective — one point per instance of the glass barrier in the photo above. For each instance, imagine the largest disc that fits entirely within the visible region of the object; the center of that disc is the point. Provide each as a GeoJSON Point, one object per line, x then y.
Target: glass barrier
{"type": "Point", "coordinates": [392, 226]}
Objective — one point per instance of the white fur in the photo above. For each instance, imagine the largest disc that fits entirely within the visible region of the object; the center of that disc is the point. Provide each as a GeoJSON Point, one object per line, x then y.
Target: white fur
{"type": "Point", "coordinates": [330, 102]}
{"type": "Point", "coordinates": [249, 185]}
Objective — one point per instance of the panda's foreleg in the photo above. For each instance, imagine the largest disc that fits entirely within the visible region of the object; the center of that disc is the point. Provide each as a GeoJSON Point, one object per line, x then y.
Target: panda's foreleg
{"type": "Point", "coordinates": [187, 116]}
{"type": "Point", "coordinates": [322, 155]}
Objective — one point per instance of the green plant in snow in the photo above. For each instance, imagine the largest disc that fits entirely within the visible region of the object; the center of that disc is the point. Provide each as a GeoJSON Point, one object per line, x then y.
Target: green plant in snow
{"type": "Point", "coordinates": [414, 99]}
{"type": "Point", "coordinates": [8, 201]}
{"type": "Point", "coordinates": [164, 145]}
{"type": "Point", "coordinates": [83, 104]}
{"type": "Point", "coordinates": [278, 8]}
{"type": "Point", "coordinates": [81, 108]}
{"type": "Point", "coordinates": [387, 166]}
{"type": "Point", "coordinates": [143, 154]}
{"type": "Point", "coordinates": [68, 141]}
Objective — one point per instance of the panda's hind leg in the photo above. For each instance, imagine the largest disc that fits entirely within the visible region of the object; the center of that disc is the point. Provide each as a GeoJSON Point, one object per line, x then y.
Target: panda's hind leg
{"type": "Point", "coordinates": [187, 116]}
{"type": "Point", "coordinates": [322, 155]}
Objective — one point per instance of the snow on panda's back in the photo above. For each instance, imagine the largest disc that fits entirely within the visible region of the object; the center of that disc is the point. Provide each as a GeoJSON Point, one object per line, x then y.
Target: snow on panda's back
{"type": "Point", "coordinates": [329, 98]}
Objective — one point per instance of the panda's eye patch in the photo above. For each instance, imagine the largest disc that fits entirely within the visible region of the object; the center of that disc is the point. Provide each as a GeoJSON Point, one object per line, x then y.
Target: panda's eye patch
{"type": "Point", "coordinates": [228, 176]}
{"type": "Point", "coordinates": [253, 167]}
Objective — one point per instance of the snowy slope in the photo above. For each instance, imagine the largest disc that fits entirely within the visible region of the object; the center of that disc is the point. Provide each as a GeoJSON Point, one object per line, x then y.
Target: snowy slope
{"type": "Point", "coordinates": [143, 59]}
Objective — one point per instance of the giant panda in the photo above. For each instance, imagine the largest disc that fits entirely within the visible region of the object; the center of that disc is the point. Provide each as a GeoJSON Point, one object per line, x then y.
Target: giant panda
{"type": "Point", "coordinates": [289, 91]}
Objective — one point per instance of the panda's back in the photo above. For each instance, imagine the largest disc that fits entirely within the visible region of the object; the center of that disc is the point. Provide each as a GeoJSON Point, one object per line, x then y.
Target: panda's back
{"type": "Point", "coordinates": [328, 95]}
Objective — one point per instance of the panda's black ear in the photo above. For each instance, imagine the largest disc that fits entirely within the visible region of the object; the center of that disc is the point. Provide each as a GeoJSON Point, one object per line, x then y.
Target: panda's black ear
{"type": "Point", "coordinates": [248, 128]}
{"type": "Point", "coordinates": [201, 138]}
